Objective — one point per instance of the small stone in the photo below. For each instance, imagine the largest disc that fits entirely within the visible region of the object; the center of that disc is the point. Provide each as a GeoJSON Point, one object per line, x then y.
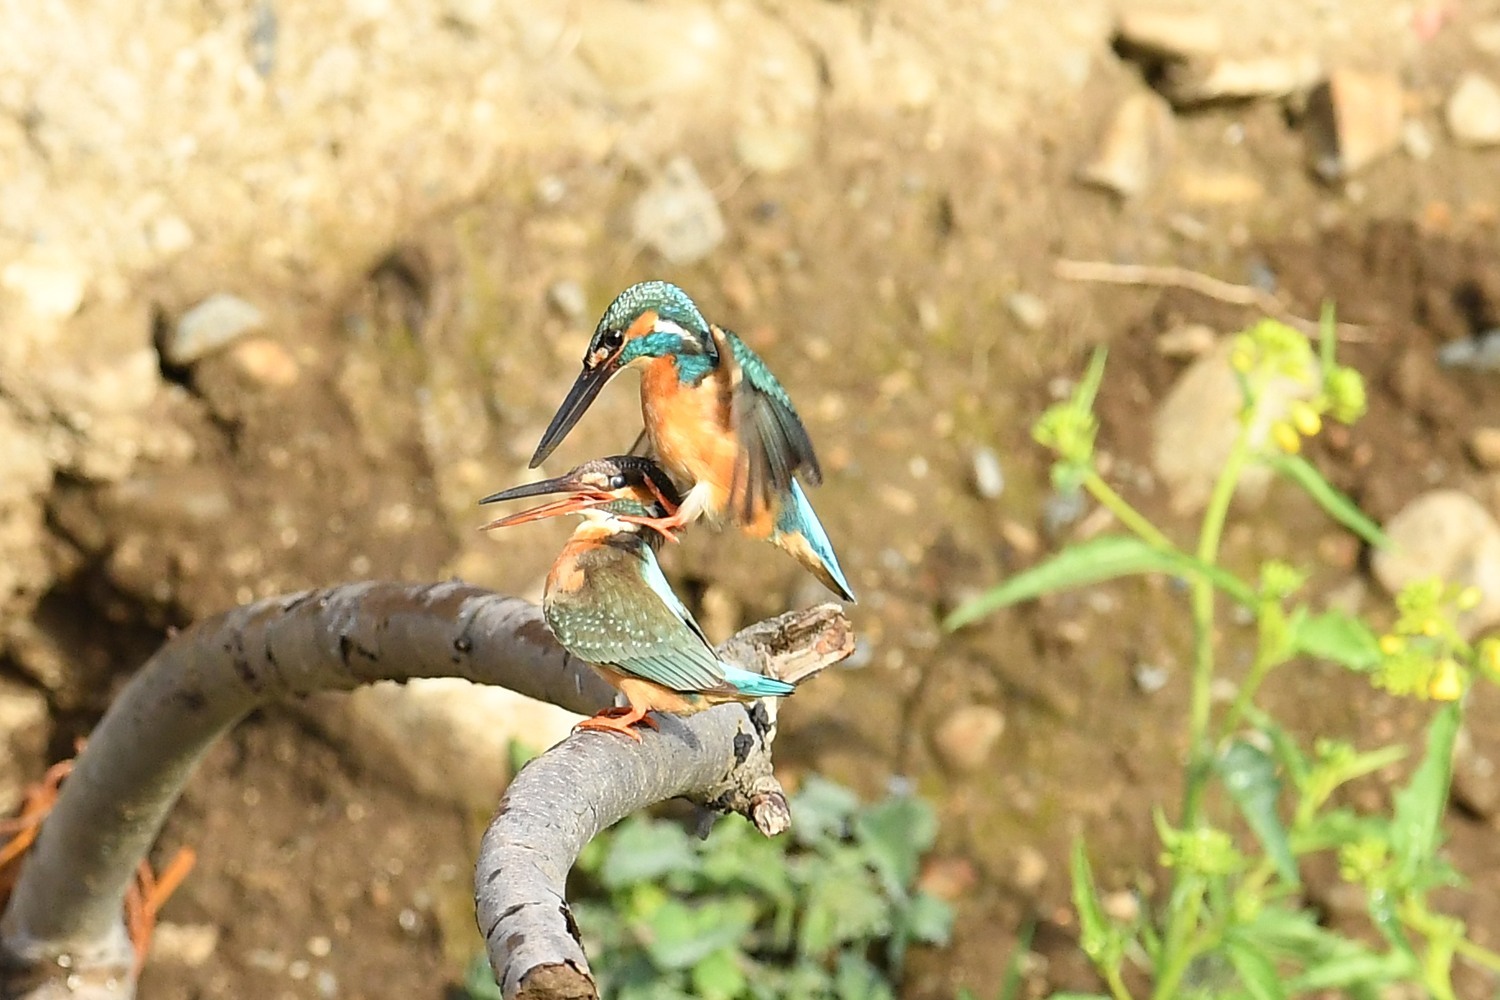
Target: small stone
{"type": "Point", "coordinates": [1479, 353]}
{"type": "Point", "coordinates": [266, 362]}
{"type": "Point", "coordinates": [184, 944]}
{"type": "Point", "coordinates": [1353, 119]}
{"type": "Point", "coordinates": [1062, 510]}
{"type": "Point", "coordinates": [949, 878]}
{"type": "Point", "coordinates": [1484, 447]}
{"type": "Point", "coordinates": [1476, 779]}
{"type": "Point", "coordinates": [771, 148]}
{"type": "Point", "coordinates": [1189, 340]}
{"type": "Point", "coordinates": [1029, 310]}
{"type": "Point", "coordinates": [1134, 148]}
{"type": "Point", "coordinates": [1122, 906]}
{"type": "Point", "coordinates": [1451, 536]}
{"type": "Point", "coordinates": [568, 298]}
{"type": "Point", "coordinates": [1170, 32]}
{"type": "Point", "coordinates": [677, 215]}
{"type": "Point", "coordinates": [1198, 422]}
{"type": "Point", "coordinates": [210, 326]}
{"type": "Point", "coordinates": [1031, 868]}
{"type": "Point", "coordinates": [1201, 81]}
{"type": "Point", "coordinates": [965, 738]}
{"type": "Point", "coordinates": [1417, 141]}
{"type": "Point", "coordinates": [1486, 37]}
{"type": "Point", "coordinates": [989, 477]}
{"type": "Point", "coordinates": [51, 289]}
{"type": "Point", "coordinates": [1339, 550]}
{"type": "Point", "coordinates": [169, 235]}
{"type": "Point", "coordinates": [428, 730]}
{"type": "Point", "coordinates": [1150, 678]}
{"type": "Point", "coordinates": [1473, 111]}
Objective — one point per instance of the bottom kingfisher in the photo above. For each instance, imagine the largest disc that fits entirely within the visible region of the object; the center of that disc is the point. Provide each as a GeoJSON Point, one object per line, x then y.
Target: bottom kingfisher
{"type": "Point", "coordinates": [608, 603]}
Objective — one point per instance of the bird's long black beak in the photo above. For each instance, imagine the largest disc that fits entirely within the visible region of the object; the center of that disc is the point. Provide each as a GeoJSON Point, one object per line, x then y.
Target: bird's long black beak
{"type": "Point", "coordinates": [541, 488]}
{"type": "Point", "coordinates": [579, 398]}
{"type": "Point", "coordinates": [577, 497]}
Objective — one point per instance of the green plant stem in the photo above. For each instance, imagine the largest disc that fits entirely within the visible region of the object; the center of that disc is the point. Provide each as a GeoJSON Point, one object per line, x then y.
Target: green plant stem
{"type": "Point", "coordinates": [1117, 984]}
{"type": "Point", "coordinates": [1177, 954]}
{"type": "Point", "coordinates": [1200, 747]}
{"type": "Point", "coordinates": [1259, 670]}
{"type": "Point", "coordinates": [1478, 954]}
{"type": "Point", "coordinates": [1124, 513]}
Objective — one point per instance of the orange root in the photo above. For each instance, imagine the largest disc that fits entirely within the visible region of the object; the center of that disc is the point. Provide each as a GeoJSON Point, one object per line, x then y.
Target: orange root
{"type": "Point", "coordinates": [619, 720]}
{"type": "Point", "coordinates": [142, 900]}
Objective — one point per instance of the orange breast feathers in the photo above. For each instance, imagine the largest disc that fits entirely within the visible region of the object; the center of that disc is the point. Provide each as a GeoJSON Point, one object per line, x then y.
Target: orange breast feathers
{"type": "Point", "coordinates": [691, 427]}
{"type": "Point", "coordinates": [566, 575]}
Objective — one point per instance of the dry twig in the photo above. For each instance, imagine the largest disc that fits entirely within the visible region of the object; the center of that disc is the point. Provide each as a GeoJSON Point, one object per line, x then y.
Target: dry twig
{"type": "Point", "coordinates": [1167, 276]}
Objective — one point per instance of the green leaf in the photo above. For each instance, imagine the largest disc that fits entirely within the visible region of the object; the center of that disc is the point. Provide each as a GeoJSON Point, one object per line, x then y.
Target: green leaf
{"type": "Point", "coordinates": [1092, 923]}
{"type": "Point", "coordinates": [856, 979]}
{"type": "Point", "coordinates": [842, 906]}
{"type": "Point", "coordinates": [1010, 986]}
{"type": "Point", "coordinates": [719, 976]}
{"type": "Point", "coordinates": [1249, 774]}
{"type": "Point", "coordinates": [1360, 967]}
{"type": "Point", "coordinates": [1338, 506]}
{"type": "Point", "coordinates": [929, 919]}
{"type": "Point", "coordinates": [642, 850]}
{"type": "Point", "coordinates": [1105, 558]}
{"type": "Point", "coordinates": [479, 981]}
{"type": "Point", "coordinates": [823, 809]}
{"type": "Point", "coordinates": [1416, 826]}
{"type": "Point", "coordinates": [1287, 751]}
{"type": "Point", "coordinates": [1337, 637]}
{"type": "Point", "coordinates": [681, 936]}
{"type": "Point", "coordinates": [1256, 971]}
{"type": "Point", "coordinates": [897, 832]}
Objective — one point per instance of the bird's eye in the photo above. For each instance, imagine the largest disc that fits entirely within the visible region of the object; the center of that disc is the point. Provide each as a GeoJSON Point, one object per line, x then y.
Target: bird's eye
{"type": "Point", "coordinates": [611, 339]}
{"type": "Point", "coordinates": [617, 481]}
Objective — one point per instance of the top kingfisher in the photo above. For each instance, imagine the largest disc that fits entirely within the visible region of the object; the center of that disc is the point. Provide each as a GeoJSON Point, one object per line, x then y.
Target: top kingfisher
{"type": "Point", "coordinates": [715, 417]}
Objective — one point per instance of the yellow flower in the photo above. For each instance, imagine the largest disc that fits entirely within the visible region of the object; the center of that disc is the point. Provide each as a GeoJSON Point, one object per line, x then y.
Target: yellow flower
{"type": "Point", "coordinates": [1286, 437]}
{"type": "Point", "coordinates": [1390, 645]}
{"type": "Point", "coordinates": [1447, 681]}
{"type": "Point", "coordinates": [1305, 418]}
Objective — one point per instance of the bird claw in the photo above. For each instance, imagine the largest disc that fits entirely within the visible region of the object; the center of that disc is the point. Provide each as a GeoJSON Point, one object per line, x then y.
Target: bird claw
{"type": "Point", "coordinates": [619, 720]}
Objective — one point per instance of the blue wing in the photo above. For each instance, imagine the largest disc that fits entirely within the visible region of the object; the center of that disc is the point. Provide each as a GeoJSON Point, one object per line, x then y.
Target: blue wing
{"type": "Point", "coordinates": [774, 443]}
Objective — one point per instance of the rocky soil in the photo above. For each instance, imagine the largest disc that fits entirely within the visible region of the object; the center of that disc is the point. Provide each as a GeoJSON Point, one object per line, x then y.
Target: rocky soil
{"type": "Point", "coordinates": [286, 287]}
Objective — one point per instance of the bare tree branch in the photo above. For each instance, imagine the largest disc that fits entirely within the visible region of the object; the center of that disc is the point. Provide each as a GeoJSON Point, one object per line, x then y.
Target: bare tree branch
{"type": "Point", "coordinates": [61, 934]}
{"type": "Point", "coordinates": [720, 759]}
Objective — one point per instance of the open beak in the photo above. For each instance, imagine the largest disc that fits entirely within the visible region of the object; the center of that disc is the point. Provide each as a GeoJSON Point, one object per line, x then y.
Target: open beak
{"type": "Point", "coordinates": [589, 382]}
{"type": "Point", "coordinates": [579, 498]}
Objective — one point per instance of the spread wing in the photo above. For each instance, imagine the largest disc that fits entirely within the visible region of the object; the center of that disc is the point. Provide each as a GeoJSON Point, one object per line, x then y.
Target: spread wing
{"type": "Point", "coordinates": [643, 631]}
{"type": "Point", "coordinates": [774, 445]}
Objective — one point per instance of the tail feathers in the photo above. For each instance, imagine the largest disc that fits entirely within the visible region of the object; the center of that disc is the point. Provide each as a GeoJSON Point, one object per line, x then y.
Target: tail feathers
{"type": "Point", "coordinates": [753, 685]}
{"type": "Point", "coordinates": [799, 532]}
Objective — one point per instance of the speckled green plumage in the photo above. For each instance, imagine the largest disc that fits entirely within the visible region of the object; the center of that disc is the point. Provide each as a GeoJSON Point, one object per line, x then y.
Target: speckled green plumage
{"type": "Point", "coordinates": [619, 618]}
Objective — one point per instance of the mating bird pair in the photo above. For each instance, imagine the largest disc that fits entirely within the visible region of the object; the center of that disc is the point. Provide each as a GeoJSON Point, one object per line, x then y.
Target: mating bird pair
{"type": "Point", "coordinates": [717, 420]}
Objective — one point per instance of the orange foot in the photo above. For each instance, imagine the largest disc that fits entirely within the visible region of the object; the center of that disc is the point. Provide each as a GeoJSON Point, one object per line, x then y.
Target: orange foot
{"type": "Point", "coordinates": [619, 720]}
{"type": "Point", "coordinates": [667, 527]}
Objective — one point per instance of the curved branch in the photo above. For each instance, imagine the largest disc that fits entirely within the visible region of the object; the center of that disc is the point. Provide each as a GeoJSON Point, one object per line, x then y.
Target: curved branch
{"type": "Point", "coordinates": [720, 758]}
{"type": "Point", "coordinates": [63, 920]}
{"type": "Point", "coordinates": [61, 934]}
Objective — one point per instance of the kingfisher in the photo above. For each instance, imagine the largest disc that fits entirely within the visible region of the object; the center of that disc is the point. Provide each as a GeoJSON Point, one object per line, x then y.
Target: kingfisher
{"type": "Point", "coordinates": [608, 603]}
{"type": "Point", "coordinates": [715, 418]}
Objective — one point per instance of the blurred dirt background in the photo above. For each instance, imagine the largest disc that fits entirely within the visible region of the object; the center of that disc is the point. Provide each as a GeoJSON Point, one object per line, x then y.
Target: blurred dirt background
{"type": "Point", "coordinates": [286, 287]}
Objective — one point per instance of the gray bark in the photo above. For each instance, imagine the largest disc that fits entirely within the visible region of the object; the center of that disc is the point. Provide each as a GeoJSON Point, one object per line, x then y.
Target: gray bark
{"type": "Point", "coordinates": [61, 934]}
